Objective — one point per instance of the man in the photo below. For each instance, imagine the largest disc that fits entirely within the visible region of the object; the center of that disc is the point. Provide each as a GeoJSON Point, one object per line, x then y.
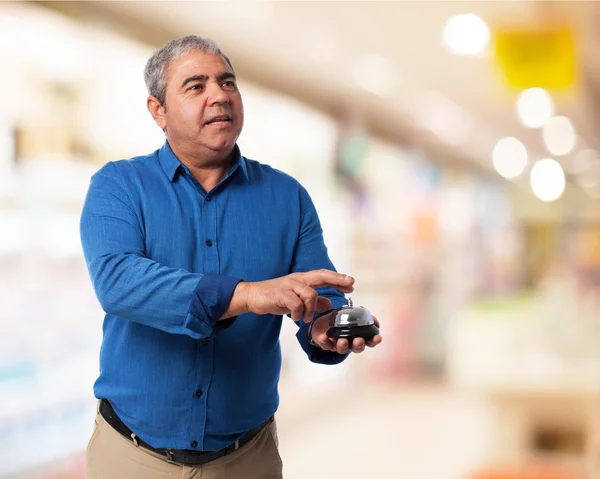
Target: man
{"type": "Point", "coordinates": [195, 253]}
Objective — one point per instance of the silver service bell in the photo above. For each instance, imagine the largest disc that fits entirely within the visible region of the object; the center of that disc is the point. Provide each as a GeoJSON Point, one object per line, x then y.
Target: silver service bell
{"type": "Point", "coordinates": [351, 322]}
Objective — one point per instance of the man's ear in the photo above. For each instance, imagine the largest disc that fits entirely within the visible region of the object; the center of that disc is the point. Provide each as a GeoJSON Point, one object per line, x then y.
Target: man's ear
{"type": "Point", "coordinates": [157, 111]}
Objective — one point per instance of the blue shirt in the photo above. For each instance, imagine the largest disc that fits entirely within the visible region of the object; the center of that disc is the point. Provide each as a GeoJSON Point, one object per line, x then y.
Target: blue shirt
{"type": "Point", "coordinates": [164, 257]}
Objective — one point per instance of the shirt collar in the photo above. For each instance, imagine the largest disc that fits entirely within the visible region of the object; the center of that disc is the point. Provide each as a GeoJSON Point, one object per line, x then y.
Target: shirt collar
{"type": "Point", "coordinates": [171, 164]}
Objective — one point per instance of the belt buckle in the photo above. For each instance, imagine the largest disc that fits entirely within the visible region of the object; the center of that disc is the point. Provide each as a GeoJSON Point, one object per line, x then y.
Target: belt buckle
{"type": "Point", "coordinates": [169, 454]}
{"type": "Point", "coordinates": [232, 447]}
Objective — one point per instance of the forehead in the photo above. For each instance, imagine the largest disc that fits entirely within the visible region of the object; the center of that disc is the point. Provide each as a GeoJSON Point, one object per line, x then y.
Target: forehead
{"type": "Point", "coordinates": [197, 63]}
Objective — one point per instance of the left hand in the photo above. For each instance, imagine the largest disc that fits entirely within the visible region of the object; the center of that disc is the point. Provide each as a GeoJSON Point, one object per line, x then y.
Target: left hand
{"type": "Point", "coordinates": [341, 346]}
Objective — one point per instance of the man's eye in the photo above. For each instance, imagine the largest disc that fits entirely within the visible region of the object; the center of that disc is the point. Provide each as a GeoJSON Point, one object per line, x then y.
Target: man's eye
{"type": "Point", "coordinates": [196, 87]}
{"type": "Point", "coordinates": [229, 85]}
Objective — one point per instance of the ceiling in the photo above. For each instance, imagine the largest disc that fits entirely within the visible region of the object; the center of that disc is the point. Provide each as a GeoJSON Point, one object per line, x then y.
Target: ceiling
{"type": "Point", "coordinates": [312, 50]}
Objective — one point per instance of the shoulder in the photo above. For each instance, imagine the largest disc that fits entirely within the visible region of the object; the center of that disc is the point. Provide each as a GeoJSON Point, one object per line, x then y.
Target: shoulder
{"type": "Point", "coordinates": [127, 178]}
{"type": "Point", "coordinates": [125, 169]}
{"type": "Point", "coordinates": [266, 173]}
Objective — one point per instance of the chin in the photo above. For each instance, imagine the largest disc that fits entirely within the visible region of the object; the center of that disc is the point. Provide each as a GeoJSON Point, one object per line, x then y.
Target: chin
{"type": "Point", "coordinates": [223, 147]}
{"type": "Point", "coordinates": [224, 144]}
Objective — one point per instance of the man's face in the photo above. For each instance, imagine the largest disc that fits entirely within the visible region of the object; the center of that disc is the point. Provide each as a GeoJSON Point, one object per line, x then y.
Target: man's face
{"type": "Point", "coordinates": [203, 107]}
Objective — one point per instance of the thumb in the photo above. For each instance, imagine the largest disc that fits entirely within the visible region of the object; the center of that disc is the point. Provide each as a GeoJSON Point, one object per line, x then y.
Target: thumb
{"type": "Point", "coordinates": [323, 303]}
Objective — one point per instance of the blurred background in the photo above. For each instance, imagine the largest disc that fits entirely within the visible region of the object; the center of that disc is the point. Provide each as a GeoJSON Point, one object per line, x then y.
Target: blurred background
{"type": "Point", "coordinates": [451, 149]}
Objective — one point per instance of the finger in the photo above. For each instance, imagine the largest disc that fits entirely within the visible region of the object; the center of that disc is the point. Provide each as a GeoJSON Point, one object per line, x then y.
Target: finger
{"type": "Point", "coordinates": [374, 341]}
{"type": "Point", "coordinates": [323, 303]}
{"type": "Point", "coordinates": [309, 297]}
{"type": "Point", "coordinates": [324, 277]}
{"type": "Point", "coordinates": [358, 345]}
{"type": "Point", "coordinates": [325, 342]}
{"type": "Point", "coordinates": [376, 321]}
{"type": "Point", "coordinates": [294, 305]}
{"type": "Point", "coordinates": [342, 346]}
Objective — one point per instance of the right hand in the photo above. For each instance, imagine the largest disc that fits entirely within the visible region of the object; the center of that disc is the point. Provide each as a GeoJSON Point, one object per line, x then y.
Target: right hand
{"type": "Point", "coordinates": [294, 294]}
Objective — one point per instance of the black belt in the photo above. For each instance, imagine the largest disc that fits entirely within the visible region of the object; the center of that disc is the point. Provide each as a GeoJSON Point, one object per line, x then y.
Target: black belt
{"type": "Point", "coordinates": [186, 457]}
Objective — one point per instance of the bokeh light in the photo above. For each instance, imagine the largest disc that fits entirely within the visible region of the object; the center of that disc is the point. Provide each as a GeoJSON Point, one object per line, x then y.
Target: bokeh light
{"type": "Point", "coordinates": [547, 180]}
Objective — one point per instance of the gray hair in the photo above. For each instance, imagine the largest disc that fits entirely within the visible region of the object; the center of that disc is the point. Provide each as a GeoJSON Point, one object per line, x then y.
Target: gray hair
{"type": "Point", "coordinates": [155, 72]}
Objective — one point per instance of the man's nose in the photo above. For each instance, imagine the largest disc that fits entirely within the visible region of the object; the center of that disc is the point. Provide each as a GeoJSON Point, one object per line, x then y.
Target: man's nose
{"type": "Point", "coordinates": [216, 94]}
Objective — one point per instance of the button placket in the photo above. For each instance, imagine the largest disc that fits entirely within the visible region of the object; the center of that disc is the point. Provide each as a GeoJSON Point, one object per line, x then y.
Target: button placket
{"type": "Point", "coordinates": [209, 230]}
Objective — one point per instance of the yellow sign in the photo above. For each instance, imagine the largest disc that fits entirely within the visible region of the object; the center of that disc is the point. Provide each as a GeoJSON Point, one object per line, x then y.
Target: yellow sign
{"type": "Point", "coordinates": [542, 58]}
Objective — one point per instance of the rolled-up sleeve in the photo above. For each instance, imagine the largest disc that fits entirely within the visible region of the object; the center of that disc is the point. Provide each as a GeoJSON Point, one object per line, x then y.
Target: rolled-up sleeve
{"type": "Point", "coordinates": [210, 300]}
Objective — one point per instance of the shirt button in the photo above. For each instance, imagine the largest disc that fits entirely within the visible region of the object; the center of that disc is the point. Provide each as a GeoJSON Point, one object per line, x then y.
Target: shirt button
{"type": "Point", "coordinates": [208, 198]}
{"type": "Point", "coordinates": [194, 444]}
{"type": "Point", "coordinates": [204, 341]}
{"type": "Point", "coordinates": [208, 242]}
{"type": "Point", "coordinates": [199, 393]}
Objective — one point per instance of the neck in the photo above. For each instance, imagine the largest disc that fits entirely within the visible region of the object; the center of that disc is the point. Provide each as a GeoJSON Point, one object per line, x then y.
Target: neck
{"type": "Point", "coordinates": [208, 168]}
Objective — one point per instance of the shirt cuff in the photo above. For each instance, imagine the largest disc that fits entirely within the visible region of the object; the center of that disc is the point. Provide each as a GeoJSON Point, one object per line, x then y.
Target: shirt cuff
{"type": "Point", "coordinates": [316, 354]}
{"type": "Point", "coordinates": [210, 300]}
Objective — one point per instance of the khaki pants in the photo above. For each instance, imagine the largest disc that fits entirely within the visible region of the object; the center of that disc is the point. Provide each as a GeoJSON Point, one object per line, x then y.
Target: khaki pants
{"type": "Point", "coordinates": [112, 456]}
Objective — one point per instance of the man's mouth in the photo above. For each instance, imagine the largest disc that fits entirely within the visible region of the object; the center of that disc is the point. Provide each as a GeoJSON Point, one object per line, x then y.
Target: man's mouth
{"type": "Point", "coordinates": [221, 119]}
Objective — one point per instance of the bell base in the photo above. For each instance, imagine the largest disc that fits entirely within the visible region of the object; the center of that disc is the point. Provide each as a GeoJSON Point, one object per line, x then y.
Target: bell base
{"type": "Point", "coordinates": [365, 332]}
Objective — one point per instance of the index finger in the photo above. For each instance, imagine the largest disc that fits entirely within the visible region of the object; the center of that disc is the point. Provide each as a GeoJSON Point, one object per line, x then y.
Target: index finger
{"type": "Point", "coordinates": [325, 277]}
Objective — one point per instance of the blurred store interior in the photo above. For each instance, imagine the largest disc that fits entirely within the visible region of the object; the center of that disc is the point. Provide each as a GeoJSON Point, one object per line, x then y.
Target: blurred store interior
{"type": "Point", "coordinates": [451, 149]}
